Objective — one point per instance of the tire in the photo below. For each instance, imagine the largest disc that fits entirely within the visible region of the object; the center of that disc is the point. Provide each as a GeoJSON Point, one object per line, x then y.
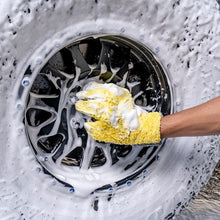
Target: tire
{"type": "Point", "coordinates": [183, 35]}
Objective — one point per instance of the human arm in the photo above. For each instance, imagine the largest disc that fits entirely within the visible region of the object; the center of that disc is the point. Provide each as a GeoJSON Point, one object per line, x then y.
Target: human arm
{"type": "Point", "coordinates": [201, 120]}
{"type": "Point", "coordinates": [120, 121]}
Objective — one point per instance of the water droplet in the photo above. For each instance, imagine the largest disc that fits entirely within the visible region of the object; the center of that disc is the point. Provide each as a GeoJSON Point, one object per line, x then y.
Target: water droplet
{"type": "Point", "coordinates": [110, 189]}
{"type": "Point", "coordinates": [73, 100]}
{"type": "Point", "coordinates": [20, 130]}
{"type": "Point", "coordinates": [144, 171]}
{"type": "Point", "coordinates": [39, 61]}
{"type": "Point", "coordinates": [40, 158]}
{"type": "Point", "coordinates": [130, 65]}
{"type": "Point", "coordinates": [100, 28]}
{"type": "Point", "coordinates": [175, 84]}
{"type": "Point", "coordinates": [128, 183]}
{"type": "Point", "coordinates": [122, 30]}
{"type": "Point", "coordinates": [74, 124]}
{"type": "Point", "coordinates": [57, 44]}
{"type": "Point", "coordinates": [141, 37]}
{"type": "Point", "coordinates": [26, 82]}
{"type": "Point", "coordinates": [157, 49]}
{"type": "Point", "coordinates": [38, 169]}
{"type": "Point", "coordinates": [72, 190]}
{"type": "Point", "coordinates": [19, 106]}
{"type": "Point", "coordinates": [177, 102]}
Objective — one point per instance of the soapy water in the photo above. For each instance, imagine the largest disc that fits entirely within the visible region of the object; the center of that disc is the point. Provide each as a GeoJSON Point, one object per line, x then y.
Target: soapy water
{"type": "Point", "coordinates": [183, 34]}
{"type": "Point", "coordinates": [207, 203]}
{"type": "Point", "coordinates": [56, 130]}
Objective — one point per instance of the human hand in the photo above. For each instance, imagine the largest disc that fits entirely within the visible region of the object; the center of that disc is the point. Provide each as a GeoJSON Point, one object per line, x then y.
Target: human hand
{"type": "Point", "coordinates": [119, 120]}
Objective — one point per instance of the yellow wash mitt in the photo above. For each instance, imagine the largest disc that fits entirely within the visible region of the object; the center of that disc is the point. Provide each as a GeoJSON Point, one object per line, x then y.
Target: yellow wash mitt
{"type": "Point", "coordinates": [119, 120]}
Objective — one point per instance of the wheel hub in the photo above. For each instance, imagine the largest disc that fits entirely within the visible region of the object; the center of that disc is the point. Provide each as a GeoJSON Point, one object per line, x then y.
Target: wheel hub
{"type": "Point", "coordinates": [55, 129]}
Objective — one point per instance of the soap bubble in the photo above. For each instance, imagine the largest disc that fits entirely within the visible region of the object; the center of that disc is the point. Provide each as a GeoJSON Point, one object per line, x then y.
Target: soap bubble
{"type": "Point", "coordinates": [26, 82]}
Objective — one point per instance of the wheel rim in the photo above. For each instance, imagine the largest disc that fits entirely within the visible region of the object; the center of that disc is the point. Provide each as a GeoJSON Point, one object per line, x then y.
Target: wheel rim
{"type": "Point", "coordinates": [55, 129]}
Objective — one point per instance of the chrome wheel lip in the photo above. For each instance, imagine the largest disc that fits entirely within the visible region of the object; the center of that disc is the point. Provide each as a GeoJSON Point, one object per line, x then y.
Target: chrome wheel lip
{"type": "Point", "coordinates": [137, 173]}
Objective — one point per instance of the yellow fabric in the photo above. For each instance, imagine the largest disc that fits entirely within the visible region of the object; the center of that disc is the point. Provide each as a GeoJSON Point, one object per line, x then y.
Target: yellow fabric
{"type": "Point", "coordinates": [147, 132]}
{"type": "Point", "coordinates": [101, 103]}
{"type": "Point", "coordinates": [104, 102]}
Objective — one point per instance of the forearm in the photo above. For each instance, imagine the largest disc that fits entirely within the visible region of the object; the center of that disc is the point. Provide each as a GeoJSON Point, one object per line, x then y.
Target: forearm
{"type": "Point", "coordinates": [201, 120]}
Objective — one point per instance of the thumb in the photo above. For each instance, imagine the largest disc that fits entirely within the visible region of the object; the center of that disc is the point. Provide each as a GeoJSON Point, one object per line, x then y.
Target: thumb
{"type": "Point", "coordinates": [98, 130]}
{"type": "Point", "coordinates": [95, 127]}
{"type": "Point", "coordinates": [103, 131]}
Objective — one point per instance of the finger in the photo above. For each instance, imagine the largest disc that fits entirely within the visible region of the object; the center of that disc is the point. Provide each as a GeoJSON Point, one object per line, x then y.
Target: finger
{"type": "Point", "coordinates": [98, 110]}
{"type": "Point", "coordinates": [87, 107]}
{"type": "Point", "coordinates": [102, 92]}
{"type": "Point", "coordinates": [103, 131]}
{"type": "Point", "coordinates": [92, 90]}
{"type": "Point", "coordinates": [99, 130]}
{"type": "Point", "coordinates": [95, 94]}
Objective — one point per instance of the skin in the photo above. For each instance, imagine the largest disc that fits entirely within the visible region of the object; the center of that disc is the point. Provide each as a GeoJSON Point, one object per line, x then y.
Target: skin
{"type": "Point", "coordinates": [201, 120]}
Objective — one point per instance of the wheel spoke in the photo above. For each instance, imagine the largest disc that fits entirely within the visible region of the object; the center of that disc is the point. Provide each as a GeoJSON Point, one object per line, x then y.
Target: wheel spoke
{"type": "Point", "coordinates": [72, 138]}
{"type": "Point", "coordinates": [120, 77]}
{"type": "Point", "coordinates": [104, 62]}
{"type": "Point", "coordinates": [45, 102]}
{"type": "Point", "coordinates": [130, 157]}
{"type": "Point", "coordinates": [107, 153]}
{"type": "Point", "coordinates": [40, 105]}
{"type": "Point", "coordinates": [88, 153]}
{"type": "Point", "coordinates": [79, 61]}
{"type": "Point", "coordinates": [43, 96]}
{"type": "Point", "coordinates": [122, 71]}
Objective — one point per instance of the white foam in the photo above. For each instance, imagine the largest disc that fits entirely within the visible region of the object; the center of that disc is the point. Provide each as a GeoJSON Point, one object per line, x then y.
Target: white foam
{"type": "Point", "coordinates": [184, 32]}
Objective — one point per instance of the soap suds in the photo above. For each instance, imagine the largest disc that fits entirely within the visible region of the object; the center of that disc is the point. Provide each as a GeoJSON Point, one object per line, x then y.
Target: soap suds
{"type": "Point", "coordinates": [182, 31]}
{"type": "Point", "coordinates": [124, 107]}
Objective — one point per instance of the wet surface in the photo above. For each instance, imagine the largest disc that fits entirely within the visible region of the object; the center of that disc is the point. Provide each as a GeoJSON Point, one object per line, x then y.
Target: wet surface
{"type": "Point", "coordinates": [55, 128]}
{"type": "Point", "coordinates": [183, 34]}
{"type": "Point", "coordinates": [207, 204]}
